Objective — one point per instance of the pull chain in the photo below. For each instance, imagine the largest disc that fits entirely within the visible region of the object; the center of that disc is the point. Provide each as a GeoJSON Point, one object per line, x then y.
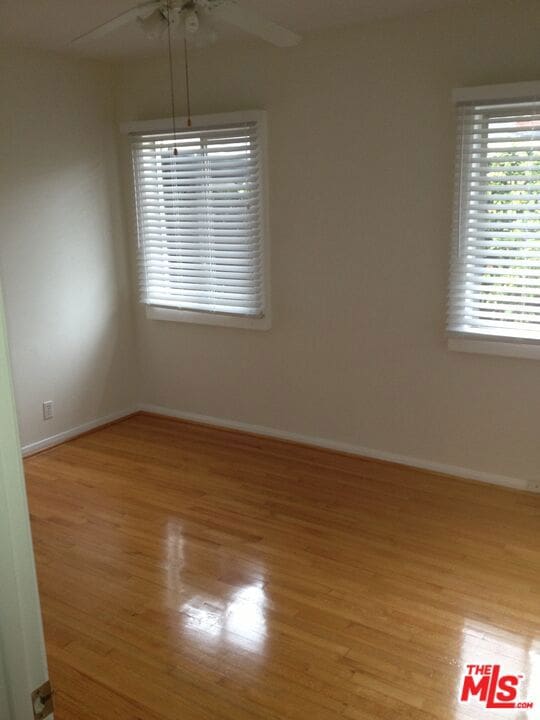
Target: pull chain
{"type": "Point", "coordinates": [171, 75]}
{"type": "Point", "coordinates": [188, 93]}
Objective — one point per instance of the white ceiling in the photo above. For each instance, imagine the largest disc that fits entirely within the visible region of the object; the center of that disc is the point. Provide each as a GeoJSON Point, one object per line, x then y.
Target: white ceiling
{"type": "Point", "coordinates": [50, 24]}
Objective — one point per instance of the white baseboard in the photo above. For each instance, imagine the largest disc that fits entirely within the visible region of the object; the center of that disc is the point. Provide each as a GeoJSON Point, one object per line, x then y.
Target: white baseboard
{"type": "Point", "coordinates": [407, 460]}
{"type": "Point", "coordinates": [61, 437]}
{"type": "Point", "coordinates": [435, 467]}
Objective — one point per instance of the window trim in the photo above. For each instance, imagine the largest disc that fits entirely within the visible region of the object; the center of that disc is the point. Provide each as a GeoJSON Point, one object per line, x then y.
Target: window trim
{"type": "Point", "coordinates": [491, 346]}
{"type": "Point", "coordinates": [486, 343]}
{"type": "Point", "coordinates": [155, 312]}
{"type": "Point", "coordinates": [509, 91]}
{"type": "Point", "coordinates": [264, 322]}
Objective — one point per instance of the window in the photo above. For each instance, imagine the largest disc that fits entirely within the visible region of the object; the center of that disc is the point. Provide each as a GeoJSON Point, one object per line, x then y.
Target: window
{"type": "Point", "coordinates": [495, 265]}
{"type": "Point", "coordinates": [200, 196]}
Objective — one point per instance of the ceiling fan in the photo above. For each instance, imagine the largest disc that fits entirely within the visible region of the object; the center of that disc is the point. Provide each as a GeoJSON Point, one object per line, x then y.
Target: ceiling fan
{"type": "Point", "coordinates": [195, 19]}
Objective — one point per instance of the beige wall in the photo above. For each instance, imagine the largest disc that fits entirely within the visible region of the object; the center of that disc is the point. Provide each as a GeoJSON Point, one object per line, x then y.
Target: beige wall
{"type": "Point", "coordinates": [62, 257]}
{"type": "Point", "coordinates": [361, 152]}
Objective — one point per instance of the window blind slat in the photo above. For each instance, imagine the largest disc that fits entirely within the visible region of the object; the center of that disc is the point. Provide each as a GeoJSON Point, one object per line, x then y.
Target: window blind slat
{"type": "Point", "coordinates": [200, 218]}
{"type": "Point", "coordinates": [495, 263]}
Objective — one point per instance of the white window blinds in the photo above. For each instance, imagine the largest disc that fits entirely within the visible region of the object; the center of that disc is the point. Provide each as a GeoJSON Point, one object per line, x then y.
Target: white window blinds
{"type": "Point", "coordinates": [495, 268]}
{"type": "Point", "coordinates": [200, 212]}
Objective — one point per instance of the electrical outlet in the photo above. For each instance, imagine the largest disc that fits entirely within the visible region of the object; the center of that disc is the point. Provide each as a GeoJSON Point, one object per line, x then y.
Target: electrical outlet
{"type": "Point", "coordinates": [48, 409]}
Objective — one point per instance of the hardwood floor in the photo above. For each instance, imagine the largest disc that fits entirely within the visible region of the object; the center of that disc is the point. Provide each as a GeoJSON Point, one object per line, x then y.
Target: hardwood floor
{"type": "Point", "coordinates": [192, 573]}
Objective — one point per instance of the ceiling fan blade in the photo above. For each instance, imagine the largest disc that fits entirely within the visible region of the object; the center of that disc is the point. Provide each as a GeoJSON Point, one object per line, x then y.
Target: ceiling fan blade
{"type": "Point", "coordinates": [250, 21]}
{"type": "Point", "coordinates": [117, 22]}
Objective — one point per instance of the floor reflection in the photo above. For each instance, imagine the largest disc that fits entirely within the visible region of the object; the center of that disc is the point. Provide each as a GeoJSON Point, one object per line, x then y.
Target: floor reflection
{"type": "Point", "coordinates": [238, 619]}
{"type": "Point", "coordinates": [245, 617]}
{"type": "Point", "coordinates": [484, 644]}
{"type": "Point", "coordinates": [241, 622]}
{"type": "Point", "coordinates": [174, 558]}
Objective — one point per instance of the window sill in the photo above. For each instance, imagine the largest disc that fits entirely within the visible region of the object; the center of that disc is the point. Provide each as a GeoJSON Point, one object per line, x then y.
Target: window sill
{"type": "Point", "coordinates": [514, 349]}
{"type": "Point", "coordinates": [202, 318]}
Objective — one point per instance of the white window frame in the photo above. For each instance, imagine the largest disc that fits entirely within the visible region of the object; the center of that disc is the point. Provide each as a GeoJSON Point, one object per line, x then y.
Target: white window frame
{"type": "Point", "coordinates": [263, 322]}
{"type": "Point", "coordinates": [481, 343]}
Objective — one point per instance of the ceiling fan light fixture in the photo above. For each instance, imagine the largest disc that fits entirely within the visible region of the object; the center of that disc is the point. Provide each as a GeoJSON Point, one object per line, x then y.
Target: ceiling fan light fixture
{"type": "Point", "coordinates": [156, 17]}
{"type": "Point", "coordinates": [153, 25]}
